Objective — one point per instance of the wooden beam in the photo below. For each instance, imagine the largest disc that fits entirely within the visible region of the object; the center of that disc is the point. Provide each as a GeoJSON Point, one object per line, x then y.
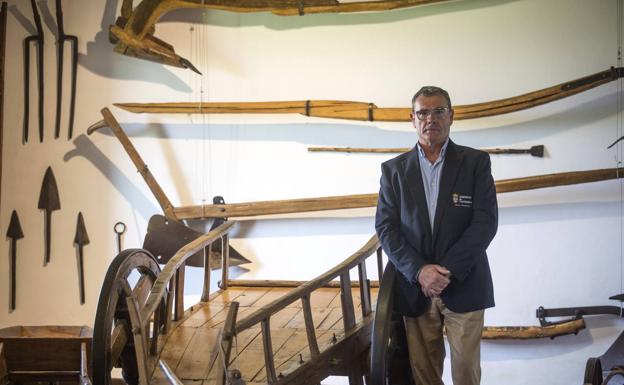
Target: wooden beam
{"type": "Point", "coordinates": [532, 332]}
{"type": "Point", "coordinates": [288, 206]}
{"type": "Point", "coordinates": [340, 109]}
{"type": "Point", "coordinates": [283, 283]}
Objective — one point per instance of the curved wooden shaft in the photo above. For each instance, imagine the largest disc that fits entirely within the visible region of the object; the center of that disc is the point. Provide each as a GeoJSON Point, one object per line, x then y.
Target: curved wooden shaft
{"type": "Point", "coordinates": [144, 17]}
{"type": "Point", "coordinates": [339, 109]}
{"type": "Point", "coordinates": [140, 165]}
{"type": "Point", "coordinates": [370, 200]}
{"type": "Point", "coordinates": [133, 32]}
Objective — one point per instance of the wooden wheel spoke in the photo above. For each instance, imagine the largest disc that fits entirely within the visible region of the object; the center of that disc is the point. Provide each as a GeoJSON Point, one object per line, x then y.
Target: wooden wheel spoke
{"type": "Point", "coordinates": [114, 339]}
{"type": "Point", "coordinates": [119, 339]}
{"type": "Point", "coordinates": [142, 289]}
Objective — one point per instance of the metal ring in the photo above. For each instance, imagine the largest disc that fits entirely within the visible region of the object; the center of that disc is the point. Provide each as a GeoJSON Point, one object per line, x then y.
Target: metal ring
{"type": "Point", "coordinates": [119, 228]}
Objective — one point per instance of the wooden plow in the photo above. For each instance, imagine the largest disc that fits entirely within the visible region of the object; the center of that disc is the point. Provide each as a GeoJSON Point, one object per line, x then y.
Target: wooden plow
{"type": "Point", "coordinates": [288, 206]}
{"type": "Point", "coordinates": [133, 32]}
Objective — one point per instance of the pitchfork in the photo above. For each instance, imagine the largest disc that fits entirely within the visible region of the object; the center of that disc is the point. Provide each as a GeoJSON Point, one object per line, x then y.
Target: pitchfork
{"type": "Point", "coordinates": [62, 37]}
{"type": "Point", "coordinates": [38, 38]}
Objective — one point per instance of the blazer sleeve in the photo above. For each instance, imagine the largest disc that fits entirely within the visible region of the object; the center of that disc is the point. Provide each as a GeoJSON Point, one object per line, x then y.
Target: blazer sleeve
{"type": "Point", "coordinates": [472, 244]}
{"type": "Point", "coordinates": [401, 253]}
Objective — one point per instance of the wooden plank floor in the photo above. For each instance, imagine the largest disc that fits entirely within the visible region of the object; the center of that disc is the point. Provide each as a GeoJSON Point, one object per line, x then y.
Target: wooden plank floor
{"type": "Point", "coordinates": [190, 346]}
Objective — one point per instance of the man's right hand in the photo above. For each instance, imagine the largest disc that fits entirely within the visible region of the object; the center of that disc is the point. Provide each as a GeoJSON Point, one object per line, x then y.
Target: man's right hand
{"type": "Point", "coordinates": [433, 279]}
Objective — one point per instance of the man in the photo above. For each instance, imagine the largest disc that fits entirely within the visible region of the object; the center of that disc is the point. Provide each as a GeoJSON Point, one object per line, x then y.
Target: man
{"type": "Point", "coordinates": [436, 215]}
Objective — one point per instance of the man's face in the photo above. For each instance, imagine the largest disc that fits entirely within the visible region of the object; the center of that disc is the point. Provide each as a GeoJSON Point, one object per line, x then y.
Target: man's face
{"type": "Point", "coordinates": [432, 118]}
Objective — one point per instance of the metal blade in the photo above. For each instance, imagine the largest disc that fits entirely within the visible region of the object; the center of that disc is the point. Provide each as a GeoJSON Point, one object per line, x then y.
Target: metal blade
{"type": "Point", "coordinates": [165, 237]}
{"type": "Point", "coordinates": [49, 196]}
{"type": "Point", "coordinates": [537, 151]}
{"type": "Point", "coordinates": [81, 238]}
{"type": "Point", "coordinates": [48, 201]}
{"type": "Point", "coordinates": [15, 228]}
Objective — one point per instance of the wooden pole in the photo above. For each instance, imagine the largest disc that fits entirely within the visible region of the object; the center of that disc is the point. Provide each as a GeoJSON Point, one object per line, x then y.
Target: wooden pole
{"type": "Point", "coordinates": [140, 165]}
{"type": "Point", "coordinates": [288, 206]}
{"type": "Point", "coordinates": [537, 151]}
{"type": "Point", "coordinates": [339, 109]}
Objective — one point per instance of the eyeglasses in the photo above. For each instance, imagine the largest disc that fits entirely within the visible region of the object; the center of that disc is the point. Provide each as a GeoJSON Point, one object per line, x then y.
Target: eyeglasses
{"type": "Point", "coordinates": [435, 113]}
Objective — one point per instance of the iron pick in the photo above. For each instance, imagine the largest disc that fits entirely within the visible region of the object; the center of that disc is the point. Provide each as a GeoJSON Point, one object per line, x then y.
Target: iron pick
{"type": "Point", "coordinates": [38, 39]}
{"type": "Point", "coordinates": [14, 233]}
{"type": "Point", "coordinates": [48, 201]}
{"type": "Point", "coordinates": [81, 239]}
{"type": "Point", "coordinates": [62, 37]}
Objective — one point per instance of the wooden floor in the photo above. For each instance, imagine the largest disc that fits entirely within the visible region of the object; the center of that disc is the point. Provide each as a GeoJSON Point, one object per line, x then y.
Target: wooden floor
{"type": "Point", "coordinates": [189, 347]}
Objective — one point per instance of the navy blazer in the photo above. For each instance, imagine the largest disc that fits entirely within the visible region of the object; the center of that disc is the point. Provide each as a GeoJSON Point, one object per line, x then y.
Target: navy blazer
{"type": "Point", "coordinates": [465, 223]}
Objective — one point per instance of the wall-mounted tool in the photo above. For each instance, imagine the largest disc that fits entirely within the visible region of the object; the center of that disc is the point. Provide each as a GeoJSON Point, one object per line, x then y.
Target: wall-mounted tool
{"type": "Point", "coordinates": [119, 229]}
{"type": "Point", "coordinates": [81, 239]}
{"type": "Point", "coordinates": [3, 24]}
{"type": "Point", "coordinates": [48, 201]}
{"type": "Point", "coordinates": [62, 38]}
{"type": "Point", "coordinates": [14, 233]}
{"type": "Point", "coordinates": [38, 39]}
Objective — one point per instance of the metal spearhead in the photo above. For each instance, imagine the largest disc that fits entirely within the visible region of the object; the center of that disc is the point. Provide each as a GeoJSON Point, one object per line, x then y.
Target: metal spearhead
{"type": "Point", "coordinates": [80, 239]}
{"type": "Point", "coordinates": [14, 233]}
{"type": "Point", "coordinates": [48, 201]}
{"type": "Point", "coordinates": [38, 39]}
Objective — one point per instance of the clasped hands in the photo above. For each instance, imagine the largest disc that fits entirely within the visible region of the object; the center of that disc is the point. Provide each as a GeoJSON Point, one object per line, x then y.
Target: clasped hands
{"type": "Point", "coordinates": [433, 279]}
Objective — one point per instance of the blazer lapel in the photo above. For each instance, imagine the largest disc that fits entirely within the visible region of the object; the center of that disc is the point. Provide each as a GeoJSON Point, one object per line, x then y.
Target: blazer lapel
{"type": "Point", "coordinates": [450, 171]}
{"type": "Point", "coordinates": [413, 179]}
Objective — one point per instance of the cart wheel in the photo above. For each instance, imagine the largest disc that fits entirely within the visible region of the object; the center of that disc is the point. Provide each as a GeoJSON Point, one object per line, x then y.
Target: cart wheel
{"type": "Point", "coordinates": [113, 343]}
{"type": "Point", "coordinates": [381, 329]}
{"type": "Point", "coordinates": [593, 372]}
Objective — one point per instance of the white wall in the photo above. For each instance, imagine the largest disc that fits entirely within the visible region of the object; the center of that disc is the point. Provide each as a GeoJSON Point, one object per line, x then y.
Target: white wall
{"type": "Point", "coordinates": [555, 247]}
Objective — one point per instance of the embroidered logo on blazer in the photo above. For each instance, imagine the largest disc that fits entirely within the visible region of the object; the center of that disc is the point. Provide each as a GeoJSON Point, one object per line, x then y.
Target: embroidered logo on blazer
{"type": "Point", "coordinates": [462, 200]}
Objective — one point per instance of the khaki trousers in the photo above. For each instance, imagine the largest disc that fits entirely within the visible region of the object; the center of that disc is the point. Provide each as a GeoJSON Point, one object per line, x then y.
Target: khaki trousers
{"type": "Point", "coordinates": [426, 345]}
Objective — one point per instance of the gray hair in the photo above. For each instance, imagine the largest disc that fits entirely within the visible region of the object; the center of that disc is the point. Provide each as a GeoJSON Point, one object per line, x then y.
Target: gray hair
{"type": "Point", "coordinates": [431, 91]}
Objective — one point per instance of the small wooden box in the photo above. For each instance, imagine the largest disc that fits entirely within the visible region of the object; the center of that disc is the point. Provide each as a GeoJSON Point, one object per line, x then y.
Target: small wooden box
{"type": "Point", "coordinates": [45, 353]}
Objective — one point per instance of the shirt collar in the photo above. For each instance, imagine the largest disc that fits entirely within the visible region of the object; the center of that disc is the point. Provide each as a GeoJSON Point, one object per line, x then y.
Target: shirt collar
{"type": "Point", "coordinates": [421, 152]}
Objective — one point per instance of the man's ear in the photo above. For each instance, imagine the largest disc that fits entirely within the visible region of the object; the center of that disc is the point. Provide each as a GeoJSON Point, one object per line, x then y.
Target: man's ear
{"type": "Point", "coordinates": [451, 113]}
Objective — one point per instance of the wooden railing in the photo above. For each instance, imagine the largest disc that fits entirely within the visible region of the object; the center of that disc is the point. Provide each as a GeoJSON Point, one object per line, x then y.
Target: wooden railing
{"type": "Point", "coordinates": [303, 294]}
{"type": "Point", "coordinates": [141, 316]}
